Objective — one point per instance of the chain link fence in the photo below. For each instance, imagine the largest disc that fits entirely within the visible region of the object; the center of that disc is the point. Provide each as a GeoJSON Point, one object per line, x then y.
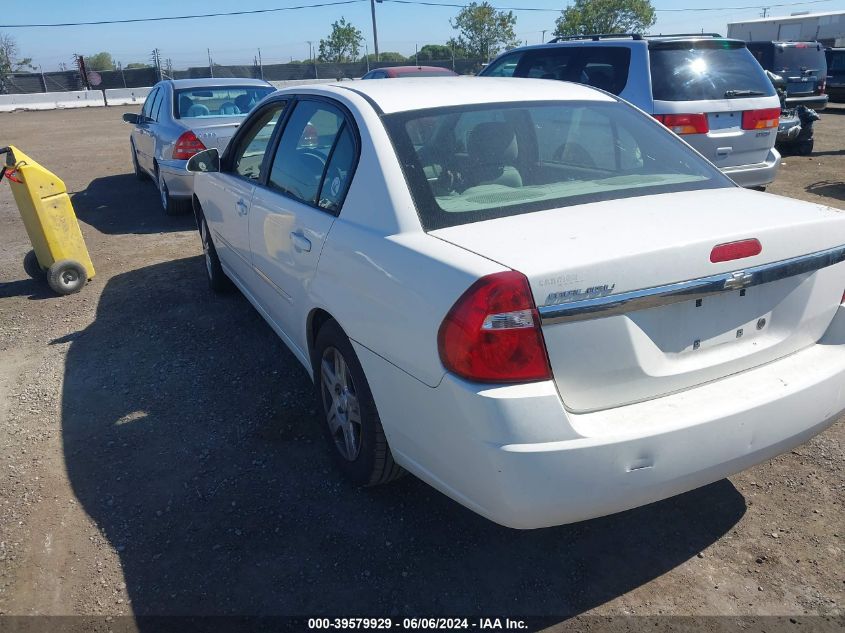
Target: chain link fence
{"type": "Point", "coordinates": [61, 81]}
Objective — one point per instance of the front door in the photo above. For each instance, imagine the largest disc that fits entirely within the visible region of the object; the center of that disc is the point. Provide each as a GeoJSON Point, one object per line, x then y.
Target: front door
{"type": "Point", "coordinates": [292, 215]}
{"type": "Point", "coordinates": [228, 196]}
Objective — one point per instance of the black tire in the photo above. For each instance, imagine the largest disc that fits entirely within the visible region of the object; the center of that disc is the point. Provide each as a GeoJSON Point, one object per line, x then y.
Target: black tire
{"type": "Point", "coordinates": [171, 206]}
{"type": "Point", "coordinates": [140, 174]}
{"type": "Point", "coordinates": [67, 276]}
{"type": "Point", "coordinates": [32, 267]}
{"type": "Point", "coordinates": [373, 464]}
{"type": "Point", "coordinates": [217, 279]}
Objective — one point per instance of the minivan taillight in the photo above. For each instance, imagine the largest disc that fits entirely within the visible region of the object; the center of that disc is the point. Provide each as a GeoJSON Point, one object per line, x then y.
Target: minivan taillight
{"type": "Point", "coordinates": [685, 123]}
{"type": "Point", "coordinates": [492, 333]}
{"type": "Point", "coordinates": [821, 86]}
{"type": "Point", "coordinates": [186, 146]}
{"type": "Point", "coordinates": [760, 119]}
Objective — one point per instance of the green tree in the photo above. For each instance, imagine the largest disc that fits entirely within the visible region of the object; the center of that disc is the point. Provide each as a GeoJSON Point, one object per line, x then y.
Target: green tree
{"type": "Point", "coordinates": [343, 44]}
{"type": "Point", "coordinates": [606, 16]}
{"type": "Point", "coordinates": [136, 65]}
{"type": "Point", "coordinates": [387, 56]}
{"type": "Point", "coordinates": [99, 61]}
{"type": "Point", "coordinates": [483, 31]}
{"type": "Point", "coordinates": [9, 60]}
{"type": "Point", "coordinates": [431, 52]}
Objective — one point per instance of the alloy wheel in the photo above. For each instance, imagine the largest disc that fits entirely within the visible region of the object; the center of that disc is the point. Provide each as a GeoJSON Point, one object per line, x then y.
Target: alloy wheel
{"type": "Point", "coordinates": [340, 403]}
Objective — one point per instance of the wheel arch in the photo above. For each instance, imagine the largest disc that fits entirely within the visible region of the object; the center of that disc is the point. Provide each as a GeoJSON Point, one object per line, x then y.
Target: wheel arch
{"type": "Point", "coordinates": [317, 318]}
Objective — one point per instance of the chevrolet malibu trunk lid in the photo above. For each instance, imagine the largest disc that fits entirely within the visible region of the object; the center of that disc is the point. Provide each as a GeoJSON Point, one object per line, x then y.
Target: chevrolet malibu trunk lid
{"type": "Point", "coordinates": [621, 324]}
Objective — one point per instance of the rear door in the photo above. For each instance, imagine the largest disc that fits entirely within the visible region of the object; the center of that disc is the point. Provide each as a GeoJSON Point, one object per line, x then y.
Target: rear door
{"type": "Point", "coordinates": [293, 211]}
{"type": "Point", "coordinates": [707, 86]}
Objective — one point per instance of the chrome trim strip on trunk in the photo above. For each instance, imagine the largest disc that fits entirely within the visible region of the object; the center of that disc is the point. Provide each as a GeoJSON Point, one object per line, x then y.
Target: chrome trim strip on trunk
{"type": "Point", "coordinates": [600, 307]}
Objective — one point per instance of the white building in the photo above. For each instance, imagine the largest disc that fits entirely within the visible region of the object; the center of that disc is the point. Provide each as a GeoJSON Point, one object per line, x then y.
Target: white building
{"type": "Point", "coordinates": [827, 28]}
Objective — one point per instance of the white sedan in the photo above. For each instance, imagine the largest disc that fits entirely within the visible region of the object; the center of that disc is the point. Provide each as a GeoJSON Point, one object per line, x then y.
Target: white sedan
{"type": "Point", "coordinates": [527, 293]}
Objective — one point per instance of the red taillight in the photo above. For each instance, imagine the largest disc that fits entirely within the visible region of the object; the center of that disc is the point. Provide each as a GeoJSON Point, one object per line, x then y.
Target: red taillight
{"type": "Point", "coordinates": [685, 123]}
{"type": "Point", "coordinates": [186, 146]}
{"type": "Point", "coordinates": [492, 333]}
{"type": "Point", "coordinates": [735, 250]}
{"type": "Point", "coordinates": [760, 119]}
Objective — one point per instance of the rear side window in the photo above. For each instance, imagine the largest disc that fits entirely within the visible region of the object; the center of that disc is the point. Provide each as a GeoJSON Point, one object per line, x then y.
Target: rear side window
{"type": "Point", "coordinates": [703, 70]}
{"type": "Point", "coordinates": [148, 104]}
{"type": "Point", "coordinates": [315, 157]}
{"type": "Point", "coordinates": [604, 67]}
{"type": "Point", "coordinates": [836, 62]}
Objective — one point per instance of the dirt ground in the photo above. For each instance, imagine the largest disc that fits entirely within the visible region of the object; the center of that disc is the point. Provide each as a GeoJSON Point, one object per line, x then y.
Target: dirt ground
{"type": "Point", "coordinates": [161, 455]}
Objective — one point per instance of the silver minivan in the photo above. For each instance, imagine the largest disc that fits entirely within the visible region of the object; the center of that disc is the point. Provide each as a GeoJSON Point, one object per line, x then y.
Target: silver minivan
{"type": "Point", "coordinates": [707, 89]}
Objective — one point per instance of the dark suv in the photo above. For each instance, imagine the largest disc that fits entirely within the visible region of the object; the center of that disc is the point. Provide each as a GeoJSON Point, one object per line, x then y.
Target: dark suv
{"type": "Point", "coordinates": [801, 64]}
{"type": "Point", "coordinates": [836, 74]}
{"type": "Point", "coordinates": [704, 87]}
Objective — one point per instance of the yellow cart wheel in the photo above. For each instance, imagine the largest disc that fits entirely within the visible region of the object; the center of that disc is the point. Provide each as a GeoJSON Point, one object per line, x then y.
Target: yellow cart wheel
{"type": "Point", "coordinates": [67, 276]}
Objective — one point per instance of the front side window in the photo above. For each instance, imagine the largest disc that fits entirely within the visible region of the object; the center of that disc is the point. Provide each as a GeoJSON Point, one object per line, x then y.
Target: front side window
{"type": "Point", "coordinates": [251, 148]}
{"type": "Point", "coordinates": [314, 147]}
{"type": "Point", "coordinates": [472, 163]}
{"type": "Point", "coordinates": [702, 70]}
{"type": "Point", "coordinates": [194, 103]}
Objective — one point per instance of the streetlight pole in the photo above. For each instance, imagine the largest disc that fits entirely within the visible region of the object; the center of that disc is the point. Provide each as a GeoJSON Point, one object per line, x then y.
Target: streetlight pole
{"type": "Point", "coordinates": [375, 28]}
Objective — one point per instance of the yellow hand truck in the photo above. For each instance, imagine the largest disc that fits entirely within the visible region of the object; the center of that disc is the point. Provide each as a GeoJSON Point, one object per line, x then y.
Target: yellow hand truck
{"type": "Point", "coordinates": [50, 222]}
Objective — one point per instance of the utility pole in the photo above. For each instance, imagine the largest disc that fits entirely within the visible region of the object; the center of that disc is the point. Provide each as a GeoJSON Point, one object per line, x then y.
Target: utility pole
{"type": "Point", "coordinates": [260, 65]}
{"type": "Point", "coordinates": [43, 79]}
{"type": "Point", "coordinates": [375, 28]}
{"type": "Point", "coordinates": [416, 54]}
{"type": "Point", "coordinates": [543, 36]}
{"type": "Point", "coordinates": [312, 58]}
{"type": "Point", "coordinates": [122, 76]}
{"type": "Point", "coordinates": [156, 58]}
{"type": "Point", "coordinates": [765, 12]}
{"type": "Point", "coordinates": [210, 63]}
{"type": "Point", "coordinates": [367, 55]}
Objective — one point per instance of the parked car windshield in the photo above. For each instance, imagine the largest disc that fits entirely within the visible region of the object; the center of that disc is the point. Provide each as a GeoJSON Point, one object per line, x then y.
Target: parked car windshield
{"type": "Point", "coordinates": [192, 103]}
{"type": "Point", "coordinates": [700, 70]}
{"type": "Point", "coordinates": [471, 163]}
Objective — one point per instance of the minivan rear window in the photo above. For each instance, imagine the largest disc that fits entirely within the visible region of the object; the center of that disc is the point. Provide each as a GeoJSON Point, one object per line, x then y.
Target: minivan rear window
{"type": "Point", "coordinates": [703, 70]}
{"type": "Point", "coordinates": [800, 56]}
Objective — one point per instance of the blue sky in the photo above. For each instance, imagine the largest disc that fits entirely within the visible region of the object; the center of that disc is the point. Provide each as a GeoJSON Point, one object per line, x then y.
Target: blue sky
{"type": "Point", "coordinates": [285, 34]}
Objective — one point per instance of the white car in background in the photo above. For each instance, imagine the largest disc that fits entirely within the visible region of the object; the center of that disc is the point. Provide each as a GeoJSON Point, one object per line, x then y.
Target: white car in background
{"type": "Point", "coordinates": [527, 293]}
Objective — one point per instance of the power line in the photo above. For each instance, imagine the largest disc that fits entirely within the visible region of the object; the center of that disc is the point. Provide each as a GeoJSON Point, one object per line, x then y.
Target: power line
{"type": "Point", "coordinates": [186, 17]}
{"type": "Point", "coordinates": [334, 3]}
{"type": "Point", "coordinates": [458, 5]}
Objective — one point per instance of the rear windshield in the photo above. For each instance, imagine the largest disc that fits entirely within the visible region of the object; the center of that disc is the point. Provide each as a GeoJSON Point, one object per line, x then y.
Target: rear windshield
{"type": "Point", "coordinates": [471, 163]}
{"type": "Point", "coordinates": [705, 70]}
{"type": "Point", "coordinates": [800, 56]}
{"type": "Point", "coordinates": [193, 103]}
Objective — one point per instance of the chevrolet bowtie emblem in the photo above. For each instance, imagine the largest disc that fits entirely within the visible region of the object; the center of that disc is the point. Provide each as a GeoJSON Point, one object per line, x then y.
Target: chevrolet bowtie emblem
{"type": "Point", "coordinates": [739, 280]}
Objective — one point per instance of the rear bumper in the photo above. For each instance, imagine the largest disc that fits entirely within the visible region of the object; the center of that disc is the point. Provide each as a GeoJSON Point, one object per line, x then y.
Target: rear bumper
{"type": "Point", "coordinates": [757, 174]}
{"type": "Point", "coordinates": [514, 455]}
{"type": "Point", "coordinates": [180, 182]}
{"type": "Point", "coordinates": [814, 102]}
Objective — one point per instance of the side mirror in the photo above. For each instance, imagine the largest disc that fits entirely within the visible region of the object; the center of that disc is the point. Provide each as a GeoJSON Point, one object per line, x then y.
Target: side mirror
{"type": "Point", "coordinates": [131, 117]}
{"type": "Point", "coordinates": [777, 81]}
{"type": "Point", "coordinates": [205, 161]}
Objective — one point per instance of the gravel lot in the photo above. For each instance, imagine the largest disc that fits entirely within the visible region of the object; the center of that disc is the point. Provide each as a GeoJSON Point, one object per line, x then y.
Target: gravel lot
{"type": "Point", "coordinates": [161, 455]}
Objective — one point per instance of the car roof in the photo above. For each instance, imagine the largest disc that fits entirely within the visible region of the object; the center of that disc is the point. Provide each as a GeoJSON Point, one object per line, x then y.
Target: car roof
{"type": "Point", "coordinates": [418, 93]}
{"type": "Point", "coordinates": [415, 69]}
{"type": "Point", "coordinates": [215, 82]}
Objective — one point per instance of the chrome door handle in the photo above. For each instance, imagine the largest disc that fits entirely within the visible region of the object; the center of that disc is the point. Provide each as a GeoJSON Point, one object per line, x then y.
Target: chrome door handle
{"type": "Point", "coordinates": [243, 209]}
{"type": "Point", "coordinates": [300, 242]}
